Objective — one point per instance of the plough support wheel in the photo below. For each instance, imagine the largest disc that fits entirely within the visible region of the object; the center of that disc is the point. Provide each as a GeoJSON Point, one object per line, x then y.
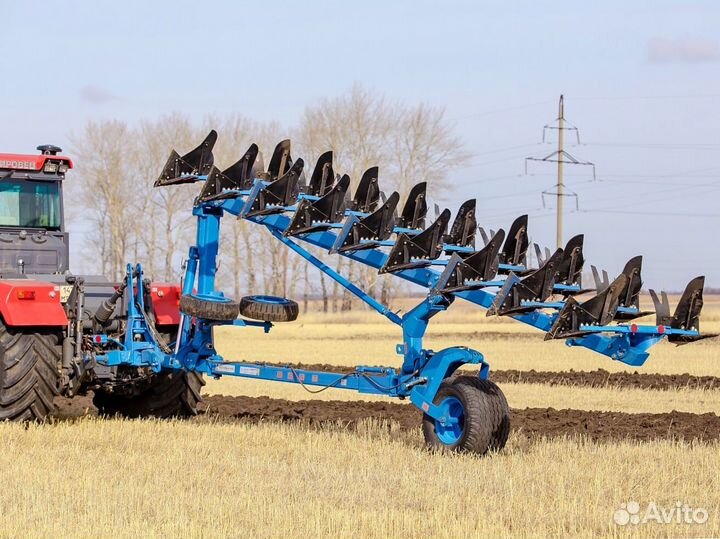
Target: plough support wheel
{"type": "Point", "coordinates": [479, 413]}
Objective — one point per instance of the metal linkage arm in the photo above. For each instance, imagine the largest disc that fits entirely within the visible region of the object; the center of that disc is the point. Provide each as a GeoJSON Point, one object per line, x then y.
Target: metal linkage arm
{"type": "Point", "coordinates": [622, 346]}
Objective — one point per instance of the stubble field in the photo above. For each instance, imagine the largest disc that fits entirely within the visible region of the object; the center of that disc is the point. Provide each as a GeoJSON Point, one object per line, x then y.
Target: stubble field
{"type": "Point", "coordinates": [270, 460]}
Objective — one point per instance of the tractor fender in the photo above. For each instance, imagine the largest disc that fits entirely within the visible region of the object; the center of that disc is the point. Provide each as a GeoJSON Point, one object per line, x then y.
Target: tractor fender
{"type": "Point", "coordinates": [24, 302]}
{"type": "Point", "coordinates": [166, 303]}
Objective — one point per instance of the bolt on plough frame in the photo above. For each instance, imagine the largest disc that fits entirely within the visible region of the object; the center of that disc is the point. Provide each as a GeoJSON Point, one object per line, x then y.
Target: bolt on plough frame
{"type": "Point", "coordinates": [465, 413]}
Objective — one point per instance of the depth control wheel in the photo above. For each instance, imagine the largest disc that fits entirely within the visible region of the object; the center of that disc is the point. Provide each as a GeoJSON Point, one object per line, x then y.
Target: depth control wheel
{"type": "Point", "coordinates": [269, 308]}
{"type": "Point", "coordinates": [479, 413]}
{"type": "Point", "coordinates": [215, 308]}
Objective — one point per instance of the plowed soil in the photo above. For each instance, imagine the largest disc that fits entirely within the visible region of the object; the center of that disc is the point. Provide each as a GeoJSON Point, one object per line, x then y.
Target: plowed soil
{"type": "Point", "coordinates": [597, 378]}
{"type": "Point", "coordinates": [530, 422]}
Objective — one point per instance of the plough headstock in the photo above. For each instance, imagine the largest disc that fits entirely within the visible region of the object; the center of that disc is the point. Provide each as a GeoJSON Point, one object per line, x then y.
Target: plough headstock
{"type": "Point", "coordinates": [362, 228]}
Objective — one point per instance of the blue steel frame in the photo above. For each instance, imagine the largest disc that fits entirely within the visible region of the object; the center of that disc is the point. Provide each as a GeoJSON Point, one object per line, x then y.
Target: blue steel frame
{"type": "Point", "coordinates": [422, 370]}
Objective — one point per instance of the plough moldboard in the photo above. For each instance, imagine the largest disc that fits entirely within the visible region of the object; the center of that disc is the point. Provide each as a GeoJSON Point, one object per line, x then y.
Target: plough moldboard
{"type": "Point", "coordinates": [440, 254]}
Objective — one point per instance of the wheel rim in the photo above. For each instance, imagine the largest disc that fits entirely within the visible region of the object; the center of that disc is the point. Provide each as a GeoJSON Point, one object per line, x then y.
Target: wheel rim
{"type": "Point", "coordinates": [269, 299]}
{"type": "Point", "coordinates": [450, 433]}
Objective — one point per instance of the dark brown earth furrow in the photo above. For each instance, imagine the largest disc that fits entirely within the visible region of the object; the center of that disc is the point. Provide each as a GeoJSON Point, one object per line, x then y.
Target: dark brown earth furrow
{"type": "Point", "coordinates": [530, 422]}
{"type": "Point", "coordinates": [597, 378]}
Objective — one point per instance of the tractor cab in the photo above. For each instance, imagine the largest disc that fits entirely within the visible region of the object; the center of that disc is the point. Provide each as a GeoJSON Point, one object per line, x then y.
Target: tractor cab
{"type": "Point", "coordinates": [32, 229]}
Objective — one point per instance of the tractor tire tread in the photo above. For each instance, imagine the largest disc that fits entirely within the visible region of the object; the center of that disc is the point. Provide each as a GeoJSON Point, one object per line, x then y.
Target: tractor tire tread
{"type": "Point", "coordinates": [171, 394]}
{"type": "Point", "coordinates": [285, 311]}
{"type": "Point", "coordinates": [29, 372]}
{"type": "Point", "coordinates": [209, 310]}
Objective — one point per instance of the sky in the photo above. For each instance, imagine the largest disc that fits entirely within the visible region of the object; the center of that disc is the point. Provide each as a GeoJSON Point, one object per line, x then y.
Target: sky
{"type": "Point", "coordinates": [641, 82]}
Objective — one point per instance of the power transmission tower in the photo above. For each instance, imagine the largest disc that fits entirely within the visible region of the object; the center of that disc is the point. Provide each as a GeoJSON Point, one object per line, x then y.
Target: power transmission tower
{"type": "Point", "coordinates": [561, 157]}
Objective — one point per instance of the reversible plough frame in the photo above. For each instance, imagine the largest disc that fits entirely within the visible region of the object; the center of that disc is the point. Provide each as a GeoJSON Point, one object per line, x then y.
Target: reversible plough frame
{"type": "Point", "coordinates": [322, 215]}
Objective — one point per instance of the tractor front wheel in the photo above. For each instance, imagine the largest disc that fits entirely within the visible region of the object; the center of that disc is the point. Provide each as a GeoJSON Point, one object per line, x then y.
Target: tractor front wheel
{"type": "Point", "coordinates": [479, 413]}
{"type": "Point", "coordinates": [29, 361]}
{"type": "Point", "coordinates": [171, 394]}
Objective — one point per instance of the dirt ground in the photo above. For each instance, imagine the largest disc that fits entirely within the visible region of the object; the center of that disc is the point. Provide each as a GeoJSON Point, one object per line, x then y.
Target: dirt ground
{"type": "Point", "coordinates": [529, 422]}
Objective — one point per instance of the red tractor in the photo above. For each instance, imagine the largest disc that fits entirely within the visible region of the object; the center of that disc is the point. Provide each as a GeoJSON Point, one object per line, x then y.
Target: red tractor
{"type": "Point", "coordinates": [48, 315]}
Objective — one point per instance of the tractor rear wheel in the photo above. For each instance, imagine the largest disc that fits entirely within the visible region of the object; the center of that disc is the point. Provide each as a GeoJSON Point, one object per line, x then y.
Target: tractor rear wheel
{"type": "Point", "coordinates": [171, 394]}
{"type": "Point", "coordinates": [29, 361]}
{"type": "Point", "coordinates": [480, 413]}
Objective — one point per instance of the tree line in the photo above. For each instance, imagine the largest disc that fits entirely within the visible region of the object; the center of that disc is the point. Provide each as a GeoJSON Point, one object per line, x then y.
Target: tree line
{"type": "Point", "coordinates": [128, 220]}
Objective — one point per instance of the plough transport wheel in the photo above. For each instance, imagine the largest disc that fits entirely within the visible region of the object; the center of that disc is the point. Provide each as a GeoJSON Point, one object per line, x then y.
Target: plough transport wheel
{"type": "Point", "coordinates": [269, 308]}
{"type": "Point", "coordinates": [480, 414]}
{"type": "Point", "coordinates": [171, 394]}
{"type": "Point", "coordinates": [29, 359]}
{"type": "Point", "coordinates": [209, 309]}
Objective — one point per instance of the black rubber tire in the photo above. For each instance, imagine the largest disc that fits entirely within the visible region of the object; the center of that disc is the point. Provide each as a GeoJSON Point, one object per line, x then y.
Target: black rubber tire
{"type": "Point", "coordinates": [171, 394]}
{"type": "Point", "coordinates": [209, 310]}
{"type": "Point", "coordinates": [29, 361]}
{"type": "Point", "coordinates": [499, 410]}
{"type": "Point", "coordinates": [487, 416]}
{"type": "Point", "coordinates": [278, 310]}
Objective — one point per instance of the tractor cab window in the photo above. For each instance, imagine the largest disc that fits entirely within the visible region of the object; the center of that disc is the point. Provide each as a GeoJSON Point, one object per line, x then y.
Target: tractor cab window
{"type": "Point", "coordinates": [30, 204]}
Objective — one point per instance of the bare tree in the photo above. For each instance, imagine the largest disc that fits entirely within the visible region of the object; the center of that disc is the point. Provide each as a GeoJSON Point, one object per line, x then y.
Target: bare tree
{"type": "Point", "coordinates": [132, 221]}
{"type": "Point", "coordinates": [409, 144]}
{"type": "Point", "coordinates": [105, 189]}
